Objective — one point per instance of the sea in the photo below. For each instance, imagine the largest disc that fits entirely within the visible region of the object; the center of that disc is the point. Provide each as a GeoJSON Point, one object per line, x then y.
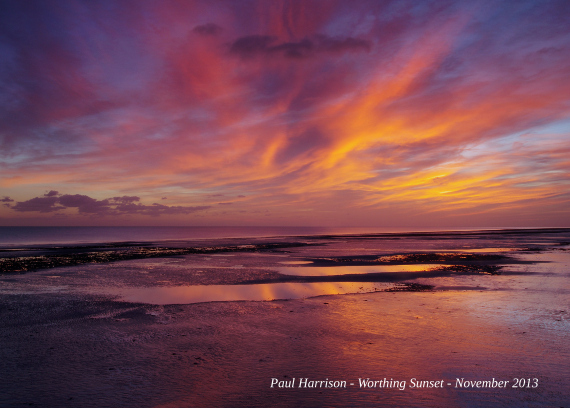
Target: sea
{"type": "Point", "coordinates": [17, 236]}
{"type": "Point", "coordinates": [164, 317]}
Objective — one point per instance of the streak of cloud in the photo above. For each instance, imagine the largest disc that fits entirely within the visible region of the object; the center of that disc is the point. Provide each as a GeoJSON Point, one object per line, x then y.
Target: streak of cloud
{"type": "Point", "coordinates": [254, 45]}
{"type": "Point", "coordinates": [299, 107]}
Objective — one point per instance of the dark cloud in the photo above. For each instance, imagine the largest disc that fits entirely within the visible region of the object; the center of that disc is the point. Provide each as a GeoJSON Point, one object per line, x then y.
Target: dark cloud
{"type": "Point", "coordinates": [208, 29]}
{"type": "Point", "coordinates": [254, 45]}
{"type": "Point", "coordinates": [109, 206]}
{"type": "Point", "coordinates": [225, 203]}
{"type": "Point", "coordinates": [125, 199]}
{"type": "Point", "coordinates": [51, 193]}
{"type": "Point", "coordinates": [84, 203]}
{"type": "Point", "coordinates": [39, 204]}
{"type": "Point", "coordinates": [6, 200]}
{"type": "Point", "coordinates": [301, 49]}
{"type": "Point", "coordinates": [159, 209]}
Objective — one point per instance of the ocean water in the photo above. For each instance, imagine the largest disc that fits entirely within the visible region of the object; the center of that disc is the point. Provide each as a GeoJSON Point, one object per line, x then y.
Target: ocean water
{"type": "Point", "coordinates": [89, 235]}
{"type": "Point", "coordinates": [214, 328]}
{"type": "Point", "coordinates": [16, 236]}
{"type": "Point", "coordinates": [306, 263]}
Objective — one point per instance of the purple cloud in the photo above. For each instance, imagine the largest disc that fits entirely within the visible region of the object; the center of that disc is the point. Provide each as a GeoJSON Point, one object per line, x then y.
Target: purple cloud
{"type": "Point", "coordinates": [125, 199]}
{"type": "Point", "coordinates": [39, 204]}
{"type": "Point", "coordinates": [254, 45]}
{"type": "Point", "coordinates": [51, 193]}
{"type": "Point", "coordinates": [6, 200]}
{"type": "Point", "coordinates": [301, 49]}
{"type": "Point", "coordinates": [159, 209]}
{"type": "Point", "coordinates": [109, 206]}
{"type": "Point", "coordinates": [84, 203]}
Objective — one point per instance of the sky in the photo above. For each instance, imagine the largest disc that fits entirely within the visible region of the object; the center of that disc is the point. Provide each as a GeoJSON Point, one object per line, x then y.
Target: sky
{"type": "Point", "coordinates": [295, 113]}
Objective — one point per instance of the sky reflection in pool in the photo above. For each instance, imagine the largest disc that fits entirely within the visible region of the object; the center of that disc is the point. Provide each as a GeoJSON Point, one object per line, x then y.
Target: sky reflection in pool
{"type": "Point", "coordinates": [221, 293]}
{"type": "Point", "coordinates": [349, 270]}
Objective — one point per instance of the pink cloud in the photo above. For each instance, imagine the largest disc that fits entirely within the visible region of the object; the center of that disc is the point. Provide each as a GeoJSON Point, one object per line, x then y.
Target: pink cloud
{"type": "Point", "coordinates": [287, 103]}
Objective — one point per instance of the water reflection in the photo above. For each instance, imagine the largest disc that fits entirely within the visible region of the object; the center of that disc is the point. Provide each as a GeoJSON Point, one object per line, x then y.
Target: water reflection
{"type": "Point", "coordinates": [482, 250]}
{"type": "Point", "coordinates": [349, 270]}
{"type": "Point", "coordinates": [220, 293]}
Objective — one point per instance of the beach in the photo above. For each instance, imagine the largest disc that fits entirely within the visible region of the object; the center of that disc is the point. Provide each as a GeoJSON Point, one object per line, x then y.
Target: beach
{"type": "Point", "coordinates": [464, 318]}
{"type": "Point", "coordinates": [284, 203]}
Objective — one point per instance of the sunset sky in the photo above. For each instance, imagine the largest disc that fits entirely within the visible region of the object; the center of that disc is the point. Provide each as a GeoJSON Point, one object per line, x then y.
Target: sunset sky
{"type": "Point", "coordinates": [264, 112]}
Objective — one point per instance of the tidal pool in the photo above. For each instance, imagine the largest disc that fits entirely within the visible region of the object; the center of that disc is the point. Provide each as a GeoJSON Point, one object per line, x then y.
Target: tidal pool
{"type": "Point", "coordinates": [224, 293]}
{"type": "Point", "coordinates": [351, 270]}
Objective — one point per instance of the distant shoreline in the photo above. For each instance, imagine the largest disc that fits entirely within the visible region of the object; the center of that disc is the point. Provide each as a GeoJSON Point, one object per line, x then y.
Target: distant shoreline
{"type": "Point", "coordinates": [30, 237]}
{"type": "Point", "coordinates": [25, 258]}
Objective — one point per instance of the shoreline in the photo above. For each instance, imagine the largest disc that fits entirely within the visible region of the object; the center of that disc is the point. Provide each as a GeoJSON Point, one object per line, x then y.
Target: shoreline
{"type": "Point", "coordinates": [48, 241]}
{"type": "Point", "coordinates": [67, 340]}
{"type": "Point", "coordinates": [38, 257]}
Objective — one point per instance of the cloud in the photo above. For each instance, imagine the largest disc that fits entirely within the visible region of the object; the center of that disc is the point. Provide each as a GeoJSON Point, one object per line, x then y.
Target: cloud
{"type": "Point", "coordinates": [85, 204]}
{"type": "Point", "coordinates": [302, 144]}
{"type": "Point", "coordinates": [388, 106]}
{"type": "Point", "coordinates": [124, 200]}
{"type": "Point", "coordinates": [156, 210]}
{"type": "Point", "coordinates": [302, 49]}
{"type": "Point", "coordinates": [38, 204]}
{"type": "Point", "coordinates": [253, 45]}
{"type": "Point", "coordinates": [6, 200]}
{"type": "Point", "coordinates": [111, 206]}
{"type": "Point", "coordinates": [209, 29]}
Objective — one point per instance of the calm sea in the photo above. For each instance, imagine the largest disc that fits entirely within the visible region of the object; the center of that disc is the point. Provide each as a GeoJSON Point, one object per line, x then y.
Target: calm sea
{"type": "Point", "coordinates": [12, 236]}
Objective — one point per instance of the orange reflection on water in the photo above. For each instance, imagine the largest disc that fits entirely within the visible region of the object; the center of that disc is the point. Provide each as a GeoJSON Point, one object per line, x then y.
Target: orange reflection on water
{"type": "Point", "coordinates": [349, 270]}
{"type": "Point", "coordinates": [223, 293]}
{"type": "Point", "coordinates": [425, 337]}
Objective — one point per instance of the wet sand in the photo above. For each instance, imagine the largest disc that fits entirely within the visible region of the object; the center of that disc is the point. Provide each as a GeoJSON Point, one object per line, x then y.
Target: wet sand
{"type": "Point", "coordinates": [67, 340]}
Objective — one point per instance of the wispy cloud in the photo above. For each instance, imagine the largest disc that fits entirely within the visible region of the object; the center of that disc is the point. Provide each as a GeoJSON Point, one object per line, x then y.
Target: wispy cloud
{"type": "Point", "coordinates": [296, 107]}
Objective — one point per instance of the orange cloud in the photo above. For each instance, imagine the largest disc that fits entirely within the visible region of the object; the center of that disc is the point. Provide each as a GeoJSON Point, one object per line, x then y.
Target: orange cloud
{"type": "Point", "coordinates": [301, 107]}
